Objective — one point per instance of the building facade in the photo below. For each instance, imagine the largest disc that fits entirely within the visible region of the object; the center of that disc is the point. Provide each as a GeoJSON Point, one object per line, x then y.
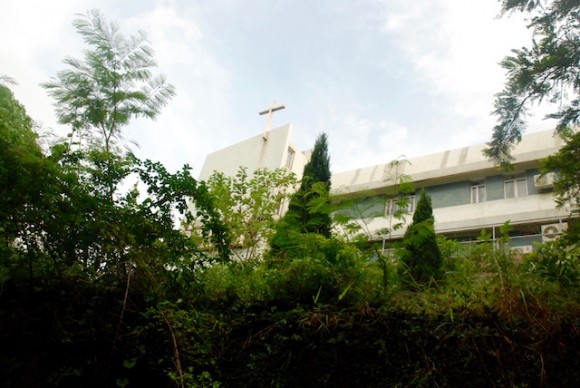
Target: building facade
{"type": "Point", "coordinates": [271, 150]}
{"type": "Point", "coordinates": [469, 194]}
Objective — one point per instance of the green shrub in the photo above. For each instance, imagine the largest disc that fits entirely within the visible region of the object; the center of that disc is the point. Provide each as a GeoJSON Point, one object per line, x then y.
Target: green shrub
{"type": "Point", "coordinates": [556, 262]}
{"type": "Point", "coordinates": [420, 257]}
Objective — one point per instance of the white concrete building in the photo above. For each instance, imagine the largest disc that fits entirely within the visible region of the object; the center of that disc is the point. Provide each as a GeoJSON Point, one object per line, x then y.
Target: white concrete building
{"type": "Point", "coordinates": [271, 150]}
{"type": "Point", "coordinates": [468, 192]}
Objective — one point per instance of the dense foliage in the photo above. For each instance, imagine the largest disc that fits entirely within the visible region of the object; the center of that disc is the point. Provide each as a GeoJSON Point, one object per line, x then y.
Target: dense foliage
{"type": "Point", "coordinates": [420, 257]}
{"type": "Point", "coordinates": [309, 208]}
{"type": "Point", "coordinates": [249, 205]}
{"type": "Point", "coordinates": [21, 163]}
{"type": "Point", "coordinates": [99, 95]}
{"type": "Point", "coordinates": [99, 286]}
{"type": "Point", "coordinates": [547, 71]}
{"type": "Point", "coordinates": [566, 163]}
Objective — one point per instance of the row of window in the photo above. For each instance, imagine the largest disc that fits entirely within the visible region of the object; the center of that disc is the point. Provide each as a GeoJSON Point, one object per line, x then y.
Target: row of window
{"type": "Point", "coordinates": [403, 204]}
{"type": "Point", "coordinates": [514, 186]}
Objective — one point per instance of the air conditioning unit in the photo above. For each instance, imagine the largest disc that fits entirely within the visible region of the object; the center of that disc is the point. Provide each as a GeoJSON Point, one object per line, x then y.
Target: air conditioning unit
{"type": "Point", "coordinates": [524, 249]}
{"type": "Point", "coordinates": [545, 181]}
{"type": "Point", "coordinates": [551, 232]}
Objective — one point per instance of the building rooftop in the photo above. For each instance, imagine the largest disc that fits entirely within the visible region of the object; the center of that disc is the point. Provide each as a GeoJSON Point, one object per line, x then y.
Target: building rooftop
{"type": "Point", "coordinates": [442, 166]}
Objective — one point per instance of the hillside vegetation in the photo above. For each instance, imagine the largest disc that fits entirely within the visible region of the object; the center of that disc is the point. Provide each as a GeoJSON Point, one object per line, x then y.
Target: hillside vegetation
{"type": "Point", "coordinates": [100, 286]}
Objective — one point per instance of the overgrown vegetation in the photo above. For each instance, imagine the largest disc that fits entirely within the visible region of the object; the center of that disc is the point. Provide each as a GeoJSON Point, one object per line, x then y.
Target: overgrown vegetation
{"type": "Point", "coordinates": [420, 255]}
{"type": "Point", "coordinates": [546, 71]}
{"type": "Point", "coordinates": [309, 208]}
{"type": "Point", "coordinates": [566, 163]}
{"type": "Point", "coordinates": [99, 286]}
{"type": "Point", "coordinates": [250, 205]}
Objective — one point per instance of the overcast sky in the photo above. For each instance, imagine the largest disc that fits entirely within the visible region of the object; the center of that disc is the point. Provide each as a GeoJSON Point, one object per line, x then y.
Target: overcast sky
{"type": "Point", "coordinates": [382, 78]}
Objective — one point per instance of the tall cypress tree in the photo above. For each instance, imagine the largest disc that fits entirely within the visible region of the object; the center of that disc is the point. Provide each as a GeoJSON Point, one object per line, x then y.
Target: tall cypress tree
{"type": "Point", "coordinates": [309, 208]}
{"type": "Point", "coordinates": [421, 257]}
{"type": "Point", "coordinates": [314, 190]}
{"type": "Point", "coordinates": [424, 210]}
{"type": "Point", "coordinates": [318, 167]}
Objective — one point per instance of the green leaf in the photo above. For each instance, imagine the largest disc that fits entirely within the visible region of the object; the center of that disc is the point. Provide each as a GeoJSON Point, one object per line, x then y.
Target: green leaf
{"type": "Point", "coordinates": [130, 364]}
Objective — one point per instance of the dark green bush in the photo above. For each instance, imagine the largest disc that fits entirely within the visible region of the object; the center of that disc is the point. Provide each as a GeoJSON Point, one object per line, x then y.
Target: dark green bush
{"type": "Point", "coordinates": [420, 256]}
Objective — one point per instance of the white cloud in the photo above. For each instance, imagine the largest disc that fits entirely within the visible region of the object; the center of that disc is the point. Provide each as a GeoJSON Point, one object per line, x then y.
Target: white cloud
{"type": "Point", "coordinates": [385, 77]}
{"type": "Point", "coordinates": [184, 131]}
{"type": "Point", "coordinates": [356, 141]}
{"type": "Point", "coordinates": [454, 48]}
{"type": "Point", "coordinates": [173, 35]}
{"type": "Point", "coordinates": [37, 37]}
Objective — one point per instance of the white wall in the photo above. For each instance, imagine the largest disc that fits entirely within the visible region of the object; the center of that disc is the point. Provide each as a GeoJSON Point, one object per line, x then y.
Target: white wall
{"type": "Point", "coordinates": [456, 165]}
{"type": "Point", "coordinates": [261, 151]}
{"type": "Point", "coordinates": [461, 161]}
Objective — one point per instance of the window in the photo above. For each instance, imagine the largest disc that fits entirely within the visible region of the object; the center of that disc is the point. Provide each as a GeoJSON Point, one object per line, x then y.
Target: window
{"type": "Point", "coordinates": [515, 186]}
{"type": "Point", "coordinates": [367, 207]}
{"type": "Point", "coordinates": [290, 158]}
{"type": "Point", "coordinates": [394, 204]}
{"type": "Point", "coordinates": [478, 193]}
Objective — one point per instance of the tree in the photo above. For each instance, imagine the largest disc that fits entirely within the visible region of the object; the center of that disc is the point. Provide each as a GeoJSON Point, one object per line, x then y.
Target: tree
{"type": "Point", "coordinates": [96, 223]}
{"type": "Point", "coordinates": [354, 216]}
{"type": "Point", "coordinates": [549, 70]}
{"type": "Point", "coordinates": [171, 194]}
{"type": "Point", "coordinates": [19, 151]}
{"type": "Point", "coordinates": [249, 205]}
{"type": "Point", "coordinates": [309, 208]}
{"type": "Point", "coordinates": [316, 171]}
{"type": "Point", "coordinates": [421, 257]}
{"type": "Point", "coordinates": [566, 162]}
{"type": "Point", "coordinates": [24, 173]}
{"type": "Point", "coordinates": [318, 167]}
{"type": "Point", "coordinates": [114, 83]}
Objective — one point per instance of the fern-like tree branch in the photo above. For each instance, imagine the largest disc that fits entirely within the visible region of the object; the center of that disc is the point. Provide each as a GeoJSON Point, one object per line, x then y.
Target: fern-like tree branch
{"type": "Point", "coordinates": [114, 83]}
{"type": "Point", "coordinates": [549, 70]}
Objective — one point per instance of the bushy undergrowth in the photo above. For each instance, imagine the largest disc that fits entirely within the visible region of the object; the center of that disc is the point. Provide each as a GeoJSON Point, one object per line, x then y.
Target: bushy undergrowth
{"type": "Point", "coordinates": [493, 318]}
{"type": "Point", "coordinates": [337, 273]}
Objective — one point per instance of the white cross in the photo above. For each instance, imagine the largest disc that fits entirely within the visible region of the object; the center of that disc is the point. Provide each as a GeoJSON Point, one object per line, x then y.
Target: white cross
{"type": "Point", "coordinates": [270, 111]}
